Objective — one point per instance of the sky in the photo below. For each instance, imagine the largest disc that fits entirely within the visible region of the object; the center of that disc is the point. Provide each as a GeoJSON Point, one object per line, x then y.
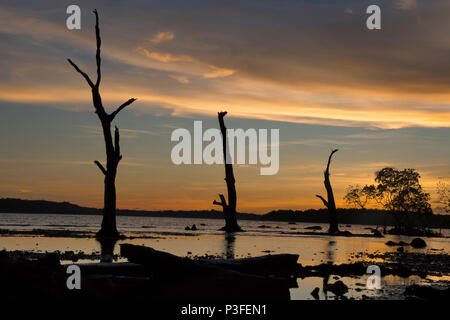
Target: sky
{"type": "Point", "coordinates": [308, 68]}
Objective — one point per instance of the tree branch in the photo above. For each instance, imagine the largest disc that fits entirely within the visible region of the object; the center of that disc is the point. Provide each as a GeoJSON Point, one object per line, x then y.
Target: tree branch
{"type": "Point", "coordinates": [123, 105]}
{"type": "Point", "coordinates": [222, 198]}
{"type": "Point", "coordinates": [99, 42]}
{"type": "Point", "coordinates": [100, 166]}
{"type": "Point", "coordinates": [323, 200]}
{"type": "Point", "coordinates": [329, 160]}
{"type": "Point", "coordinates": [222, 114]}
{"type": "Point", "coordinates": [222, 202]}
{"type": "Point", "coordinates": [88, 80]}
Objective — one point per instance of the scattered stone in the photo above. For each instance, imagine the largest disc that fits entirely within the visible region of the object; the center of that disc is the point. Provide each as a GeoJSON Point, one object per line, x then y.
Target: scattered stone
{"type": "Point", "coordinates": [418, 243]}
{"type": "Point", "coordinates": [377, 233]}
{"type": "Point", "coordinates": [338, 288]}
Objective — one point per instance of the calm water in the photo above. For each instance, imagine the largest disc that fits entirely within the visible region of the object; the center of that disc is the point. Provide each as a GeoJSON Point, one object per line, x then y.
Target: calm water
{"type": "Point", "coordinates": [261, 237]}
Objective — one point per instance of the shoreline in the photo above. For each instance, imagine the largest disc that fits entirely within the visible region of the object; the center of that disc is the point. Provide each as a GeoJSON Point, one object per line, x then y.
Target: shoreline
{"type": "Point", "coordinates": [345, 218]}
{"type": "Point", "coordinates": [373, 217]}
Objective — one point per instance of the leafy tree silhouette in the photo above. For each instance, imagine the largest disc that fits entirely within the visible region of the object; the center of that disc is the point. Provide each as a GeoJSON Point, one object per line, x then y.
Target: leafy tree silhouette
{"type": "Point", "coordinates": [400, 191]}
{"type": "Point", "coordinates": [360, 196]}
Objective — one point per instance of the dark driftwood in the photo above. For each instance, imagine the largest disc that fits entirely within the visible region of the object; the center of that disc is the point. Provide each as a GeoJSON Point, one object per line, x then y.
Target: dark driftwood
{"type": "Point", "coordinates": [185, 278]}
{"type": "Point", "coordinates": [159, 262]}
{"type": "Point", "coordinates": [46, 278]}
{"type": "Point", "coordinates": [158, 276]}
{"type": "Point", "coordinates": [279, 264]}
{"type": "Point", "coordinates": [163, 262]}
{"type": "Point", "coordinates": [427, 293]}
{"type": "Point", "coordinates": [113, 156]}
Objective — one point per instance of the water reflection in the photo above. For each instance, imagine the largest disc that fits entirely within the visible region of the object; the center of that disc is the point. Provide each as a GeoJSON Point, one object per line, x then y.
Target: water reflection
{"type": "Point", "coordinates": [230, 240]}
{"type": "Point", "coordinates": [331, 246]}
{"type": "Point", "coordinates": [330, 260]}
{"type": "Point", "coordinates": [107, 249]}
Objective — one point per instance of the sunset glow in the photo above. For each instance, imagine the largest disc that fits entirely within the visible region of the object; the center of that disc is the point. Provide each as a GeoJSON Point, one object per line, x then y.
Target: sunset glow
{"type": "Point", "coordinates": [318, 75]}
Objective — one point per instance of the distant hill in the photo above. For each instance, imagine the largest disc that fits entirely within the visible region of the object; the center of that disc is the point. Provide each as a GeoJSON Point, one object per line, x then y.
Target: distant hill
{"type": "Point", "coordinates": [346, 216]}
{"type": "Point", "coordinates": [9, 205]}
{"type": "Point", "coordinates": [42, 206]}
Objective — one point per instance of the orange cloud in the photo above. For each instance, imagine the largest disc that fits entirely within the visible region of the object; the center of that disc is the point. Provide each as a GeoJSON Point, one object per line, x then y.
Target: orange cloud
{"type": "Point", "coordinates": [209, 71]}
{"type": "Point", "coordinates": [164, 57]}
{"type": "Point", "coordinates": [279, 88]}
{"type": "Point", "coordinates": [406, 4]}
{"type": "Point", "coordinates": [180, 79]}
{"type": "Point", "coordinates": [218, 72]}
{"type": "Point", "coordinates": [162, 37]}
{"type": "Point", "coordinates": [250, 99]}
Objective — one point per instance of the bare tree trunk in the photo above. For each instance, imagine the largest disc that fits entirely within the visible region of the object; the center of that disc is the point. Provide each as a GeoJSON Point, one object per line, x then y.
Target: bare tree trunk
{"type": "Point", "coordinates": [113, 156]}
{"type": "Point", "coordinates": [330, 204]}
{"type": "Point", "coordinates": [229, 210]}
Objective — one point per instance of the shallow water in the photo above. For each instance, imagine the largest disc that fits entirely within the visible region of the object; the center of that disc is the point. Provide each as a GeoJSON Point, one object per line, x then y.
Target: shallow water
{"type": "Point", "coordinates": [168, 234]}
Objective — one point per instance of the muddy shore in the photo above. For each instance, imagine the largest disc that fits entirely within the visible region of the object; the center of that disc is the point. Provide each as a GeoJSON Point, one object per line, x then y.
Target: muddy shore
{"type": "Point", "coordinates": [342, 275]}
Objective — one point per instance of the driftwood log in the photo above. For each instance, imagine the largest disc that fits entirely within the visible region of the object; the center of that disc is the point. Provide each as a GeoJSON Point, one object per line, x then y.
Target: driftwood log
{"type": "Point", "coordinates": [152, 275]}
{"type": "Point", "coordinates": [183, 278]}
{"type": "Point", "coordinates": [283, 265]}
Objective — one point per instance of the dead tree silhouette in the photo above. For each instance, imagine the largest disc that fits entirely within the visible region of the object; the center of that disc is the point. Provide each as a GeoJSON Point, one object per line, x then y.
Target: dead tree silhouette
{"type": "Point", "coordinates": [330, 204]}
{"type": "Point", "coordinates": [229, 210]}
{"type": "Point", "coordinates": [113, 156]}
